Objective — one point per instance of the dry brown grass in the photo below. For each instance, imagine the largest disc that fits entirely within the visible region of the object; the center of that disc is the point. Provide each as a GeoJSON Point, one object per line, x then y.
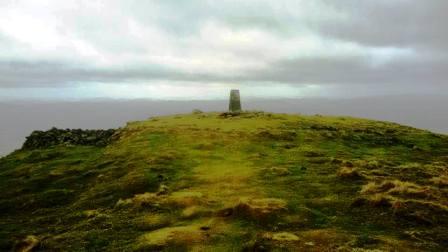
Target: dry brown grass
{"type": "Point", "coordinates": [380, 200]}
{"type": "Point", "coordinates": [28, 244]}
{"type": "Point", "coordinates": [182, 199]}
{"type": "Point", "coordinates": [279, 171]}
{"type": "Point", "coordinates": [401, 189]}
{"type": "Point", "coordinates": [349, 173]}
{"type": "Point", "coordinates": [185, 199]}
{"type": "Point", "coordinates": [160, 238]}
{"type": "Point", "coordinates": [324, 239]}
{"type": "Point", "coordinates": [177, 237]}
{"type": "Point", "coordinates": [423, 205]}
{"type": "Point", "coordinates": [283, 237]}
{"type": "Point", "coordinates": [139, 200]}
{"type": "Point", "coordinates": [260, 209]}
{"type": "Point", "coordinates": [441, 181]}
{"type": "Point", "coordinates": [153, 221]}
{"type": "Point", "coordinates": [195, 212]}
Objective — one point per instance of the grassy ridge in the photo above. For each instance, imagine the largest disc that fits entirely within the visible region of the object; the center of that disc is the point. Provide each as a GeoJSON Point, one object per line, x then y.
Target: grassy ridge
{"type": "Point", "coordinates": [233, 182]}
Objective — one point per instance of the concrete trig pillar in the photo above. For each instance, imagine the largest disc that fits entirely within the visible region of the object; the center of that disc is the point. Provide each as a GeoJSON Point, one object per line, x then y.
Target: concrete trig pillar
{"type": "Point", "coordinates": [235, 101]}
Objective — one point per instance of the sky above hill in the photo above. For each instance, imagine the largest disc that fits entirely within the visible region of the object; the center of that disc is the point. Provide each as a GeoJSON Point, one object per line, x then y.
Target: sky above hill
{"type": "Point", "coordinates": [199, 49]}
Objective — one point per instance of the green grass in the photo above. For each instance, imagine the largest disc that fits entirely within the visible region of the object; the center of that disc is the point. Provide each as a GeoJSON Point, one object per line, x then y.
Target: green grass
{"type": "Point", "coordinates": [186, 176]}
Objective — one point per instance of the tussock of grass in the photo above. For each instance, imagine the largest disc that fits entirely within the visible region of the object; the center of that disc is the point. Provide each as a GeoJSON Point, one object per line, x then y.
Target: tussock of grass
{"type": "Point", "coordinates": [349, 173]}
{"type": "Point", "coordinates": [170, 236]}
{"type": "Point", "coordinates": [139, 200]}
{"type": "Point", "coordinates": [30, 243]}
{"type": "Point", "coordinates": [279, 171]}
{"type": "Point", "coordinates": [195, 212]}
{"type": "Point", "coordinates": [261, 210]}
{"type": "Point", "coordinates": [407, 201]}
{"type": "Point", "coordinates": [154, 221]}
{"type": "Point", "coordinates": [400, 188]}
{"type": "Point", "coordinates": [441, 181]}
{"type": "Point", "coordinates": [282, 237]}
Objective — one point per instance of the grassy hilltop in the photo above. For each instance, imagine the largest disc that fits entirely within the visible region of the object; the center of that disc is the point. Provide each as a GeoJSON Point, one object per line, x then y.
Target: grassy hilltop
{"type": "Point", "coordinates": [223, 182]}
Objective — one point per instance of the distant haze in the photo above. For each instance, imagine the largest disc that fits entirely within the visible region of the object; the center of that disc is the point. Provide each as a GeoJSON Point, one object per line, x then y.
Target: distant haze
{"type": "Point", "coordinates": [18, 119]}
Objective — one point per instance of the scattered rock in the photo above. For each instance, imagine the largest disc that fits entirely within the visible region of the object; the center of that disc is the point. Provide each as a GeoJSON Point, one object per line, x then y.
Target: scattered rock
{"type": "Point", "coordinates": [44, 139]}
{"type": "Point", "coordinates": [229, 114]}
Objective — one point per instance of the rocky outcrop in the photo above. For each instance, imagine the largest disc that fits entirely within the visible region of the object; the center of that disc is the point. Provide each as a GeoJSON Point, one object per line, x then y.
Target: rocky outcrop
{"type": "Point", "coordinates": [43, 139]}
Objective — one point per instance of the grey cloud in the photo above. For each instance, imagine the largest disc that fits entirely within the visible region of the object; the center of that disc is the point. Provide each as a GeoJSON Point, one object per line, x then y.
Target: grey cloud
{"type": "Point", "coordinates": [357, 71]}
{"type": "Point", "coordinates": [405, 23]}
{"type": "Point", "coordinates": [349, 71]}
{"type": "Point", "coordinates": [19, 74]}
{"type": "Point", "coordinates": [418, 25]}
{"type": "Point", "coordinates": [50, 74]}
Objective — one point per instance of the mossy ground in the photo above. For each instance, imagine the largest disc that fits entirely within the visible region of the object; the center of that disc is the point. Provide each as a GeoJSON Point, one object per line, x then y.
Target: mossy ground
{"type": "Point", "coordinates": [253, 181]}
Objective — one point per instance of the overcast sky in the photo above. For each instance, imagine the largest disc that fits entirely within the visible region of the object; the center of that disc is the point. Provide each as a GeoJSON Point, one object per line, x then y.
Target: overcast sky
{"type": "Point", "coordinates": [174, 49]}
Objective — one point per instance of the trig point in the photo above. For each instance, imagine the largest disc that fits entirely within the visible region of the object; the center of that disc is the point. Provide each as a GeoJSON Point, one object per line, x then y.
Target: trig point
{"type": "Point", "coordinates": [235, 102]}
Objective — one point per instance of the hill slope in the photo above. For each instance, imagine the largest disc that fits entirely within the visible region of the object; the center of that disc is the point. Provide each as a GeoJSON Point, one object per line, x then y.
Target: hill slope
{"type": "Point", "coordinates": [253, 181]}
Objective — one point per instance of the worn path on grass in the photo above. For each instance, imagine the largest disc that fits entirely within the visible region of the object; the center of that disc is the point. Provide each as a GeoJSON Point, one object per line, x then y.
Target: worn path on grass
{"type": "Point", "coordinates": [225, 173]}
